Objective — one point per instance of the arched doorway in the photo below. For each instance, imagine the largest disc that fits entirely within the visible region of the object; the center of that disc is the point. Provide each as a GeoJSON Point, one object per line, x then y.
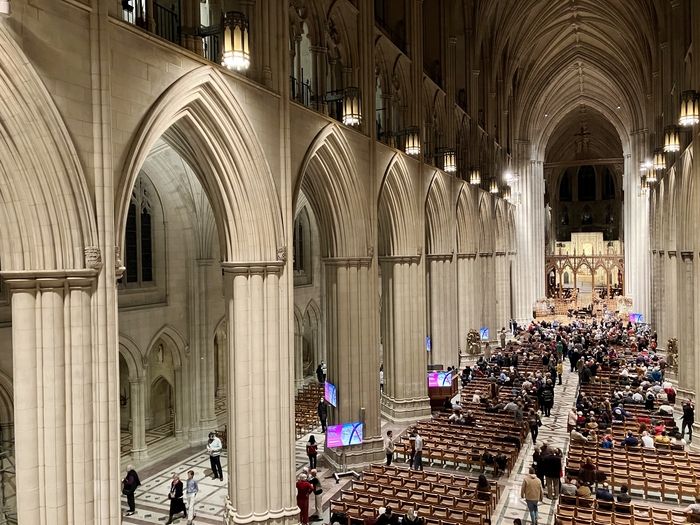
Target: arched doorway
{"type": "Point", "coordinates": [162, 406]}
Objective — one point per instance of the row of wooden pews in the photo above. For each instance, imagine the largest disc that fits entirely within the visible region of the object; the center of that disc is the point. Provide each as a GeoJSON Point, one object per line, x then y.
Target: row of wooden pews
{"type": "Point", "coordinates": [306, 408]}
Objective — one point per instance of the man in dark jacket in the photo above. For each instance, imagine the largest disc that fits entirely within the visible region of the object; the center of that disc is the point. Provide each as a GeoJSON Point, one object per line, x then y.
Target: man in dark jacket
{"type": "Point", "coordinates": [552, 473]}
{"type": "Point", "coordinates": [323, 413]}
{"type": "Point", "coordinates": [131, 481]}
{"type": "Point", "coordinates": [177, 505]}
{"type": "Point", "coordinates": [688, 419]}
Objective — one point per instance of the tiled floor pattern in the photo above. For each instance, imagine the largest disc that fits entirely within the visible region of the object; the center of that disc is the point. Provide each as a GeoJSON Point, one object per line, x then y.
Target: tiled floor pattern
{"type": "Point", "coordinates": [153, 436]}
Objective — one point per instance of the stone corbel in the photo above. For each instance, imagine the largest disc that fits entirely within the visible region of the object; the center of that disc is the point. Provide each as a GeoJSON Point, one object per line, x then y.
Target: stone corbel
{"type": "Point", "coordinates": [282, 253]}
{"type": "Point", "coordinates": [687, 256]}
{"type": "Point", "coordinates": [672, 253]}
{"type": "Point", "coordinates": [93, 257]}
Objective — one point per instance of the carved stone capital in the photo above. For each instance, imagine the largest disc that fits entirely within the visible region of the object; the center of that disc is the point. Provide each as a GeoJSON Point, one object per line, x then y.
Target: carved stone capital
{"type": "Point", "coordinates": [687, 256]}
{"type": "Point", "coordinates": [282, 253]}
{"type": "Point", "coordinates": [93, 257]}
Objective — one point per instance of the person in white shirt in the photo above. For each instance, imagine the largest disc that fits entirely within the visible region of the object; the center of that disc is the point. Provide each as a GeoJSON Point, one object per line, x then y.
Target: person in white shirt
{"type": "Point", "coordinates": [476, 398]}
{"type": "Point", "coordinates": [389, 447]}
{"type": "Point", "coordinates": [677, 439]}
{"type": "Point", "coordinates": [191, 490]}
{"type": "Point", "coordinates": [214, 449]}
{"type": "Point", "coordinates": [638, 397]}
{"type": "Point", "coordinates": [418, 459]}
{"type": "Point", "coordinates": [647, 440]}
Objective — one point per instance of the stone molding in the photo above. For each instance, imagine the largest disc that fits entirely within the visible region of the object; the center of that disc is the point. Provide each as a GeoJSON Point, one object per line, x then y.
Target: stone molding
{"type": "Point", "coordinates": [45, 279]}
{"type": "Point", "coordinates": [467, 255]}
{"type": "Point", "coordinates": [400, 259]}
{"type": "Point", "coordinates": [347, 261]}
{"type": "Point", "coordinates": [439, 256]}
{"type": "Point", "coordinates": [257, 267]}
{"type": "Point", "coordinates": [687, 256]}
{"type": "Point", "coordinates": [672, 253]}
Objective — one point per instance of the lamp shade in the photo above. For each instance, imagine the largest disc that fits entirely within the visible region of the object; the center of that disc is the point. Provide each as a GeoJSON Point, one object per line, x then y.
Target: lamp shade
{"type": "Point", "coordinates": [493, 187]}
{"type": "Point", "coordinates": [659, 160]}
{"type": "Point", "coordinates": [474, 176]}
{"type": "Point", "coordinates": [412, 141]}
{"type": "Point", "coordinates": [236, 54]}
{"type": "Point", "coordinates": [645, 185]}
{"type": "Point", "coordinates": [672, 139]}
{"type": "Point", "coordinates": [352, 107]}
{"type": "Point", "coordinates": [690, 109]}
{"type": "Point", "coordinates": [506, 193]}
{"type": "Point", "coordinates": [449, 162]}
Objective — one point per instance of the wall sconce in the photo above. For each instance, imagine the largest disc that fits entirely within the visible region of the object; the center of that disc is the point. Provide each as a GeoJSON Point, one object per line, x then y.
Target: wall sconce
{"type": "Point", "coordinates": [690, 109]}
{"type": "Point", "coordinates": [352, 106]}
{"type": "Point", "coordinates": [236, 54]}
{"type": "Point", "coordinates": [475, 176]}
{"type": "Point", "coordinates": [672, 139]}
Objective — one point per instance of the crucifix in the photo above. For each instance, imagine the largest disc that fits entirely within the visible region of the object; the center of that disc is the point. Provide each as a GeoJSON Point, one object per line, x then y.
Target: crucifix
{"type": "Point", "coordinates": [582, 144]}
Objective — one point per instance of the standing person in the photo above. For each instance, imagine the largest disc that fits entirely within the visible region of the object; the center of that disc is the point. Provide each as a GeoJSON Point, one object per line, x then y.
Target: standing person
{"type": "Point", "coordinates": [191, 490]}
{"type": "Point", "coordinates": [177, 506]}
{"type": "Point", "coordinates": [418, 459]}
{"type": "Point", "coordinates": [552, 472]}
{"type": "Point", "coordinates": [323, 413]}
{"type": "Point", "coordinates": [412, 441]}
{"type": "Point", "coordinates": [130, 482]}
{"type": "Point", "coordinates": [531, 491]}
{"type": "Point", "coordinates": [389, 447]}
{"type": "Point", "coordinates": [304, 488]}
{"type": "Point", "coordinates": [312, 451]}
{"type": "Point", "coordinates": [214, 449]}
{"type": "Point", "coordinates": [318, 495]}
{"type": "Point", "coordinates": [560, 369]}
{"type": "Point", "coordinates": [503, 337]}
{"type": "Point", "coordinates": [534, 422]}
{"type": "Point", "coordinates": [688, 419]}
{"type": "Point", "coordinates": [319, 372]}
{"type": "Point", "coordinates": [324, 369]}
{"type": "Point", "coordinates": [547, 398]}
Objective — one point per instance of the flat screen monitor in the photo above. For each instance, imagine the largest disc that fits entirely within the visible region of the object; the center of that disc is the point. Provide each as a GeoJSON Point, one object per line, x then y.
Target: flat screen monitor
{"type": "Point", "coordinates": [484, 332]}
{"type": "Point", "coordinates": [427, 344]}
{"type": "Point", "coordinates": [636, 318]}
{"type": "Point", "coordinates": [331, 394]}
{"type": "Point", "coordinates": [438, 379]}
{"type": "Point", "coordinates": [343, 435]}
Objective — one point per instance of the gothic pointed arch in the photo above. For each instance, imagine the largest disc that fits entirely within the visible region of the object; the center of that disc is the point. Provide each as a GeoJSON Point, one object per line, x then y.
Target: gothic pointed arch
{"type": "Point", "coordinates": [467, 220]}
{"type": "Point", "coordinates": [501, 230]}
{"type": "Point", "coordinates": [486, 229]}
{"type": "Point", "coordinates": [683, 201]}
{"type": "Point", "coordinates": [48, 220]}
{"type": "Point", "coordinates": [313, 313]}
{"type": "Point", "coordinates": [329, 180]}
{"type": "Point", "coordinates": [175, 341]}
{"type": "Point", "coordinates": [398, 224]}
{"type": "Point", "coordinates": [201, 119]}
{"type": "Point", "coordinates": [129, 350]}
{"type": "Point", "coordinates": [298, 321]}
{"type": "Point", "coordinates": [7, 414]}
{"type": "Point", "coordinates": [438, 216]}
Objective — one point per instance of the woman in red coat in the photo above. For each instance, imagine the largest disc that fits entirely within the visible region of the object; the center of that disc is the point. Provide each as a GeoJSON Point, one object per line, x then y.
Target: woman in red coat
{"type": "Point", "coordinates": [304, 488]}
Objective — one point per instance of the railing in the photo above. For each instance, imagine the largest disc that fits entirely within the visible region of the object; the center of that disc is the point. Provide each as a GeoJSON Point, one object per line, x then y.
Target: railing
{"type": "Point", "coordinates": [397, 40]}
{"type": "Point", "coordinates": [210, 43]}
{"type": "Point", "coordinates": [134, 12]}
{"type": "Point", "coordinates": [167, 24]}
{"type": "Point", "coordinates": [334, 99]}
{"type": "Point", "coordinates": [302, 93]}
{"type": "Point", "coordinates": [382, 126]}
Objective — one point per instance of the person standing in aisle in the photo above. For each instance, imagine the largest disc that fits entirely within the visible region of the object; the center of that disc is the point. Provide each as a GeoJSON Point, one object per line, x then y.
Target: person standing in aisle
{"type": "Point", "coordinates": [688, 419]}
{"type": "Point", "coordinates": [318, 496]}
{"type": "Point", "coordinates": [191, 490]}
{"type": "Point", "coordinates": [323, 413]}
{"type": "Point", "coordinates": [389, 447]}
{"type": "Point", "coordinates": [214, 449]}
{"type": "Point", "coordinates": [177, 506]}
{"type": "Point", "coordinates": [418, 459]}
{"type": "Point", "coordinates": [131, 481]}
{"type": "Point", "coordinates": [531, 491]}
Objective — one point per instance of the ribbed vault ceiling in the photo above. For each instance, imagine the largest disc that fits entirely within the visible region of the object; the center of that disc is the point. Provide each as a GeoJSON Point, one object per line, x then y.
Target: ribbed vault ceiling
{"type": "Point", "coordinates": [559, 54]}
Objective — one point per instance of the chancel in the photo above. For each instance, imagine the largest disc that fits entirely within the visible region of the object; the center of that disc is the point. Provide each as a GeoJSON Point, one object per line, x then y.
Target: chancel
{"type": "Point", "coordinates": [353, 260]}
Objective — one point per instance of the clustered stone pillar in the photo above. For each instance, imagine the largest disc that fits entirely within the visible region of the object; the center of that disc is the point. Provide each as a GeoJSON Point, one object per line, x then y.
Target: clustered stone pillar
{"type": "Point", "coordinates": [443, 310]}
{"type": "Point", "coordinates": [137, 388]}
{"type": "Point", "coordinates": [468, 297]}
{"type": "Point", "coordinates": [207, 388]}
{"type": "Point", "coordinates": [352, 335]}
{"type": "Point", "coordinates": [688, 366]}
{"type": "Point", "coordinates": [403, 329]}
{"type": "Point", "coordinates": [60, 385]}
{"type": "Point", "coordinates": [260, 396]}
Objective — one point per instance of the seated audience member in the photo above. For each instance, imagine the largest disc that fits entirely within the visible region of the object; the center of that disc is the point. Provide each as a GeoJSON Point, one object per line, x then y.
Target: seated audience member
{"type": "Point", "coordinates": [583, 490]}
{"type": "Point", "coordinates": [620, 414]}
{"type": "Point", "coordinates": [604, 493]}
{"type": "Point", "coordinates": [647, 440]}
{"type": "Point", "coordinates": [623, 496]}
{"type": "Point", "coordinates": [411, 518]}
{"type": "Point", "coordinates": [578, 436]}
{"type": "Point", "coordinates": [607, 442]}
{"type": "Point", "coordinates": [568, 488]}
{"type": "Point", "coordinates": [663, 438]}
{"type": "Point", "coordinates": [447, 405]}
{"type": "Point", "coordinates": [677, 439]}
{"type": "Point", "coordinates": [387, 517]}
{"type": "Point", "coordinates": [631, 440]}
{"type": "Point", "coordinates": [693, 509]}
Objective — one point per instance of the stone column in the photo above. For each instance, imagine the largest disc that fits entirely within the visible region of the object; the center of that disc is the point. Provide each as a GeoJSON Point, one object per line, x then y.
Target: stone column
{"type": "Point", "coordinates": [502, 299]}
{"type": "Point", "coordinates": [57, 378]}
{"type": "Point", "coordinates": [443, 310]}
{"type": "Point", "coordinates": [671, 273]}
{"type": "Point", "coordinates": [403, 334]}
{"type": "Point", "coordinates": [467, 297]}
{"type": "Point", "coordinates": [260, 396]}
{"type": "Point", "coordinates": [688, 367]}
{"type": "Point", "coordinates": [299, 360]}
{"type": "Point", "coordinates": [207, 388]}
{"type": "Point", "coordinates": [137, 388]}
{"type": "Point", "coordinates": [352, 334]}
{"type": "Point", "coordinates": [222, 359]}
{"type": "Point", "coordinates": [487, 297]}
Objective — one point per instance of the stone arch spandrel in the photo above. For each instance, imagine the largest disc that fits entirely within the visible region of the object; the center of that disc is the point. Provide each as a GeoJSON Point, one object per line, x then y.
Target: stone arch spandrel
{"type": "Point", "coordinates": [438, 216]}
{"type": "Point", "coordinates": [175, 342]}
{"type": "Point", "coordinates": [201, 119]}
{"type": "Point", "coordinates": [329, 180]}
{"type": "Point", "coordinates": [467, 221]}
{"type": "Point", "coordinates": [398, 224]}
{"type": "Point", "coordinates": [48, 219]}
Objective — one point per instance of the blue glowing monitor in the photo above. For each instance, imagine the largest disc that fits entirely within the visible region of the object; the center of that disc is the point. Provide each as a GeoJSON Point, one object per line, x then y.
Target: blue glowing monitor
{"type": "Point", "coordinates": [331, 394]}
{"type": "Point", "coordinates": [636, 318]}
{"type": "Point", "coordinates": [438, 379]}
{"type": "Point", "coordinates": [484, 332]}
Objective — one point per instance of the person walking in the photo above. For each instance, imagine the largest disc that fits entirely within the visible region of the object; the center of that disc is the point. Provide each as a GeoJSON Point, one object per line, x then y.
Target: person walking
{"type": "Point", "coordinates": [552, 472]}
{"type": "Point", "coordinates": [318, 495]}
{"type": "Point", "coordinates": [534, 422]}
{"type": "Point", "coordinates": [531, 491]}
{"type": "Point", "coordinates": [389, 447]}
{"type": "Point", "coordinates": [418, 459]}
{"type": "Point", "coordinates": [304, 488]}
{"type": "Point", "coordinates": [323, 413]}
{"type": "Point", "coordinates": [177, 506]}
{"type": "Point", "coordinates": [688, 419]}
{"type": "Point", "coordinates": [191, 490]}
{"type": "Point", "coordinates": [130, 482]}
{"type": "Point", "coordinates": [312, 451]}
{"type": "Point", "coordinates": [319, 372]}
{"type": "Point", "coordinates": [214, 449]}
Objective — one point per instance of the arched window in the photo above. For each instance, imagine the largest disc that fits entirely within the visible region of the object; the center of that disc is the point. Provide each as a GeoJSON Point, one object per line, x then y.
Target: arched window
{"type": "Point", "coordinates": [139, 236]}
{"type": "Point", "coordinates": [608, 185]}
{"type": "Point", "coordinates": [586, 183]}
{"type": "Point", "coordinates": [302, 248]}
{"type": "Point", "coordinates": [565, 187]}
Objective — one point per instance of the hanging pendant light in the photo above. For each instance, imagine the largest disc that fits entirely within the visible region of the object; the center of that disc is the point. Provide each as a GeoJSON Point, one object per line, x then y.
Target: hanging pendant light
{"type": "Point", "coordinates": [690, 109]}
{"type": "Point", "coordinates": [352, 102]}
{"type": "Point", "coordinates": [645, 166]}
{"type": "Point", "coordinates": [506, 193]}
{"type": "Point", "coordinates": [449, 162]}
{"type": "Point", "coordinates": [474, 176]}
{"type": "Point", "coordinates": [412, 140]}
{"type": "Point", "coordinates": [645, 185]}
{"type": "Point", "coordinates": [659, 159]}
{"type": "Point", "coordinates": [493, 188]}
{"type": "Point", "coordinates": [236, 53]}
{"type": "Point", "coordinates": [672, 139]}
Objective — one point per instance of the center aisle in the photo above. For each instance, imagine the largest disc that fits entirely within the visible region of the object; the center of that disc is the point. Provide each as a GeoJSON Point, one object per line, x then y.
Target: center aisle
{"type": "Point", "coordinates": [553, 431]}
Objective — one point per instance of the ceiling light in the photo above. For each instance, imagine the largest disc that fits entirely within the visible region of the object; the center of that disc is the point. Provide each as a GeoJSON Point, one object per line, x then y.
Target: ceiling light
{"type": "Point", "coordinates": [690, 109]}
